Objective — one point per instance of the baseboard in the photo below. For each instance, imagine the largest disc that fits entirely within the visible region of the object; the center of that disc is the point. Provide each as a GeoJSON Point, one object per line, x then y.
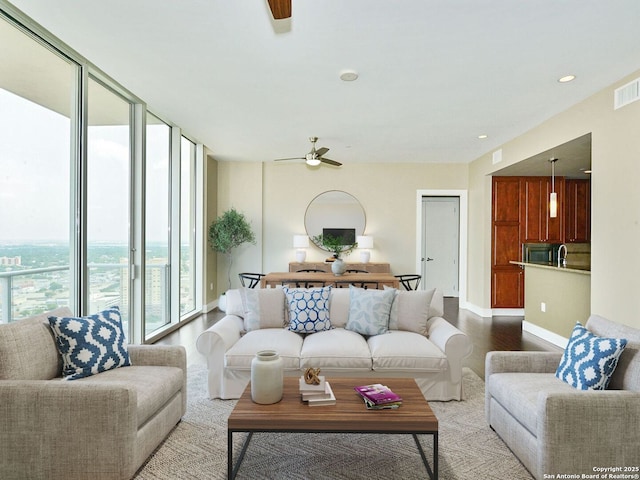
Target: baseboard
{"type": "Point", "coordinates": [209, 306]}
{"type": "Point", "coordinates": [543, 333]}
{"type": "Point", "coordinates": [507, 312]}
{"type": "Point", "coordinates": [482, 312]}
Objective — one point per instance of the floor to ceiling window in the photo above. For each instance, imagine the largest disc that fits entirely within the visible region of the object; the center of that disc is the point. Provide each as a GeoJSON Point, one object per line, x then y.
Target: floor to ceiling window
{"type": "Point", "coordinates": [157, 190]}
{"type": "Point", "coordinates": [36, 91]}
{"type": "Point", "coordinates": [69, 203]}
{"type": "Point", "coordinates": [108, 199]}
{"type": "Point", "coordinates": [187, 226]}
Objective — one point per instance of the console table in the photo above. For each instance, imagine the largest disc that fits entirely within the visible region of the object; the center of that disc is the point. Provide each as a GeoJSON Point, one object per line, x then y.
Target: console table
{"type": "Point", "coordinates": [371, 280]}
{"type": "Point", "coordinates": [371, 267]}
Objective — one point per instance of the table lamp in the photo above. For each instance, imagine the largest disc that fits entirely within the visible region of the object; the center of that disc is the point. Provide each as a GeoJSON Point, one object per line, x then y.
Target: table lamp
{"type": "Point", "coordinates": [300, 242]}
{"type": "Point", "coordinates": [365, 242]}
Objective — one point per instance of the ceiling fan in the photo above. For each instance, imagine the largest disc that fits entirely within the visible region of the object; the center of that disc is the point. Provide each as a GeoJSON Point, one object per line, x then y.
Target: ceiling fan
{"type": "Point", "coordinates": [280, 9]}
{"type": "Point", "coordinates": [314, 157]}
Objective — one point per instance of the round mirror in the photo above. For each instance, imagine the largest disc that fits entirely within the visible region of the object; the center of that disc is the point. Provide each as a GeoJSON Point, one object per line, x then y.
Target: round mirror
{"type": "Point", "coordinates": [335, 213]}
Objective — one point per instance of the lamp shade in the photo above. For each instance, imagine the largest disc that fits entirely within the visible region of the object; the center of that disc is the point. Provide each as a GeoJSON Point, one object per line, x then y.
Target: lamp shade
{"type": "Point", "coordinates": [300, 241]}
{"type": "Point", "coordinates": [364, 241]}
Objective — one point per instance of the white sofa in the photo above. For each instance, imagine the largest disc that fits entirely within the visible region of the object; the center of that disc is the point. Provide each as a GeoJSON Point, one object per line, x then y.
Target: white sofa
{"type": "Point", "coordinates": [434, 357]}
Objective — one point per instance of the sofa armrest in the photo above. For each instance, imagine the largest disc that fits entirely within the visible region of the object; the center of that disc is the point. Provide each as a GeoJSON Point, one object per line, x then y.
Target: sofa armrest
{"type": "Point", "coordinates": [163, 356]}
{"type": "Point", "coordinates": [453, 342]}
{"type": "Point", "coordinates": [213, 344]}
{"type": "Point", "coordinates": [588, 429]}
{"type": "Point", "coordinates": [160, 355]}
{"type": "Point", "coordinates": [521, 362]}
{"type": "Point", "coordinates": [53, 424]}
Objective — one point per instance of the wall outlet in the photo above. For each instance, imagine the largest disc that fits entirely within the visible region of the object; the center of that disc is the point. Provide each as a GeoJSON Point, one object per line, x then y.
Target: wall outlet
{"type": "Point", "coordinates": [543, 307]}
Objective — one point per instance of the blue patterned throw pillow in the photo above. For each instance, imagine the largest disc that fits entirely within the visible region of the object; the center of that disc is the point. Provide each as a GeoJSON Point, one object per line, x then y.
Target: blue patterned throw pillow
{"type": "Point", "coordinates": [90, 345]}
{"type": "Point", "coordinates": [589, 361]}
{"type": "Point", "coordinates": [369, 310]}
{"type": "Point", "coordinates": [308, 309]}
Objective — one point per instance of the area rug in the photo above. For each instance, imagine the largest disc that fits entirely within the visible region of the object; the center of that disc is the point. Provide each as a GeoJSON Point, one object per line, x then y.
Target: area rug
{"type": "Point", "coordinates": [197, 446]}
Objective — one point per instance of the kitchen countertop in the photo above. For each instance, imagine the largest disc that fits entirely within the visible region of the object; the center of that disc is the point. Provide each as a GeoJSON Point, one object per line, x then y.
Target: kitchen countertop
{"type": "Point", "coordinates": [582, 269]}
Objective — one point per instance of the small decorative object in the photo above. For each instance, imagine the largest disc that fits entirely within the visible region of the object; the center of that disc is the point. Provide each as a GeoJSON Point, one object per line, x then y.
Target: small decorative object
{"type": "Point", "coordinates": [338, 267]}
{"type": "Point", "coordinates": [337, 247]}
{"type": "Point", "coordinates": [266, 377]}
{"type": "Point", "coordinates": [311, 376]}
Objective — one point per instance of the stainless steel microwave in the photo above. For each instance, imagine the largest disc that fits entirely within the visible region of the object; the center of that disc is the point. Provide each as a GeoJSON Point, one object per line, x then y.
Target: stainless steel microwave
{"type": "Point", "coordinates": [542, 253]}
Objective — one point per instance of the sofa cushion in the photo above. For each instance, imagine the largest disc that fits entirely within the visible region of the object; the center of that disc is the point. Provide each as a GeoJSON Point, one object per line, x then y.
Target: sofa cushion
{"type": "Point", "coordinates": [410, 311]}
{"type": "Point", "coordinates": [518, 394]}
{"type": "Point", "coordinates": [336, 349]}
{"type": "Point", "coordinates": [405, 352]}
{"type": "Point", "coordinates": [589, 360]}
{"type": "Point", "coordinates": [235, 304]}
{"type": "Point", "coordinates": [308, 309]}
{"type": "Point", "coordinates": [263, 308]}
{"type": "Point", "coordinates": [339, 307]}
{"type": "Point", "coordinates": [369, 310]}
{"type": "Point", "coordinates": [91, 344]}
{"type": "Point", "coordinates": [283, 341]}
{"type": "Point", "coordinates": [154, 386]}
{"type": "Point", "coordinates": [627, 373]}
{"type": "Point", "coordinates": [28, 349]}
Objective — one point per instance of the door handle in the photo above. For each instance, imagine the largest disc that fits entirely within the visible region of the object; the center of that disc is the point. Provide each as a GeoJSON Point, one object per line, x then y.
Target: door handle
{"type": "Point", "coordinates": [429, 259]}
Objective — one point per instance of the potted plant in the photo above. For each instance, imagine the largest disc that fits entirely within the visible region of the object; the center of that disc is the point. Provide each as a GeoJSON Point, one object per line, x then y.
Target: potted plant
{"type": "Point", "coordinates": [337, 247]}
{"type": "Point", "coordinates": [228, 231]}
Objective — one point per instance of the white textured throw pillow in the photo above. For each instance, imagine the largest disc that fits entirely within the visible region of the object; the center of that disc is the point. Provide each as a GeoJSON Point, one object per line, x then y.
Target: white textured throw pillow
{"type": "Point", "coordinates": [263, 308]}
{"type": "Point", "coordinates": [369, 310]}
{"type": "Point", "coordinates": [411, 311]}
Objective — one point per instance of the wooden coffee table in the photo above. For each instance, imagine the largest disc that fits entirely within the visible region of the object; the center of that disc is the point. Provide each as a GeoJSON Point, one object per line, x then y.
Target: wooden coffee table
{"type": "Point", "coordinates": [348, 415]}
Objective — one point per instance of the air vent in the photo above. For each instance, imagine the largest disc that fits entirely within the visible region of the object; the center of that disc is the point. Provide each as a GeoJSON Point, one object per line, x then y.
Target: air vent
{"type": "Point", "coordinates": [626, 94]}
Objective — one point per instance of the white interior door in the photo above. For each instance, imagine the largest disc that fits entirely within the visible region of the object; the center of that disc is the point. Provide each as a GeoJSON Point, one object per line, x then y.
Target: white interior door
{"type": "Point", "coordinates": [441, 244]}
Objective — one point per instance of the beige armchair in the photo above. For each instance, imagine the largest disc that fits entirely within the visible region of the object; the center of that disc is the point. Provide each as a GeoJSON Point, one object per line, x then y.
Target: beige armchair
{"type": "Point", "coordinates": [555, 429]}
{"type": "Point", "coordinates": [99, 427]}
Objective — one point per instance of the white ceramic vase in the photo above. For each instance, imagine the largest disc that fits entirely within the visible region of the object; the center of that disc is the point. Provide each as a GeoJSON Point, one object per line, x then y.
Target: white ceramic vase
{"type": "Point", "coordinates": [266, 377]}
{"type": "Point", "coordinates": [338, 267]}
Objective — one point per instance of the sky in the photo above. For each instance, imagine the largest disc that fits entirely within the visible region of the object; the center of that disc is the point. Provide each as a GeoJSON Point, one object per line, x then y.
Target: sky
{"type": "Point", "coordinates": [35, 173]}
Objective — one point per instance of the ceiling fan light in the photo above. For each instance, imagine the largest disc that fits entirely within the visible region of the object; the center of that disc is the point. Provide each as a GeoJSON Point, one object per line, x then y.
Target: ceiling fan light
{"type": "Point", "coordinates": [312, 160]}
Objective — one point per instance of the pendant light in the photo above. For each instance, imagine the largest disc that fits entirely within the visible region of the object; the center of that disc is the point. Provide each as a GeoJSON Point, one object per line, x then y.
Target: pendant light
{"type": "Point", "coordinates": [553, 198]}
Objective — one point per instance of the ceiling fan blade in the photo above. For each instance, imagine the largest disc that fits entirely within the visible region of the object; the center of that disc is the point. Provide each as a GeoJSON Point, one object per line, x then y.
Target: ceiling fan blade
{"type": "Point", "coordinates": [321, 151]}
{"type": "Point", "coordinates": [292, 158]}
{"type": "Point", "coordinates": [280, 9]}
{"type": "Point", "coordinates": [330, 162]}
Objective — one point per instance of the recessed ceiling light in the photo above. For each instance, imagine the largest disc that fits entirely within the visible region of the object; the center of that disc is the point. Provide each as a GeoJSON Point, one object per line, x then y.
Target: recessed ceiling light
{"type": "Point", "coordinates": [566, 78]}
{"type": "Point", "coordinates": [483, 136]}
{"type": "Point", "coordinates": [348, 76]}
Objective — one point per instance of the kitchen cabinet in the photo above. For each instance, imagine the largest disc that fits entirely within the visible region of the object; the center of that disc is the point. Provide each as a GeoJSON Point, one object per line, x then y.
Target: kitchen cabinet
{"type": "Point", "coordinates": [537, 225]}
{"type": "Point", "coordinates": [507, 280]}
{"type": "Point", "coordinates": [577, 220]}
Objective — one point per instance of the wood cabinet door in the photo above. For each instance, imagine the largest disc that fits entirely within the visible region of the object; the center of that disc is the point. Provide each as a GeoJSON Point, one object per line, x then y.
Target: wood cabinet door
{"type": "Point", "coordinates": [577, 211]}
{"type": "Point", "coordinates": [537, 225]}
{"type": "Point", "coordinates": [507, 280]}
{"type": "Point", "coordinates": [507, 288]}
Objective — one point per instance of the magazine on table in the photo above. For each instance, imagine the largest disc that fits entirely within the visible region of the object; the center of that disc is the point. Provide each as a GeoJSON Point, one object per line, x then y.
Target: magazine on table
{"type": "Point", "coordinates": [377, 394]}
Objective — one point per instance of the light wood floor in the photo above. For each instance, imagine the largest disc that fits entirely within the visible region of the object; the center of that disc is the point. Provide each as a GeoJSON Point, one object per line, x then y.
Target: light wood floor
{"type": "Point", "coordinates": [487, 334]}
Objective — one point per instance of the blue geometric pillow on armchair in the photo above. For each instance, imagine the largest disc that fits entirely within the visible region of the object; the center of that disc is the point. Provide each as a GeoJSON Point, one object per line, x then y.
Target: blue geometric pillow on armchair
{"type": "Point", "coordinates": [90, 345]}
{"type": "Point", "coordinates": [589, 361]}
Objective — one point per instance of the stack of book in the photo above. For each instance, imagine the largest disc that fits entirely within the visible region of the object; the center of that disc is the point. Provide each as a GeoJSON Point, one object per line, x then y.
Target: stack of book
{"type": "Point", "coordinates": [315, 395]}
{"type": "Point", "coordinates": [378, 396]}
